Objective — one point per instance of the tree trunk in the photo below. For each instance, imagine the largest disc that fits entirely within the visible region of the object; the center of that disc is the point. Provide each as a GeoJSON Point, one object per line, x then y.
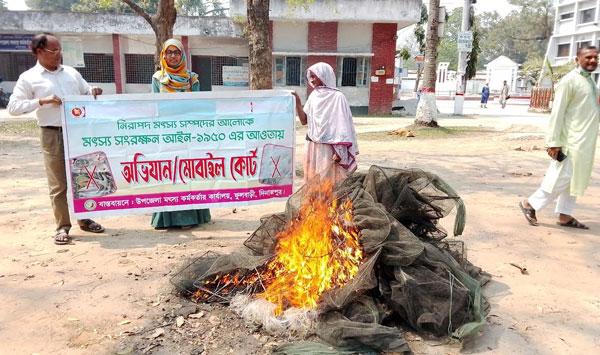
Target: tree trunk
{"type": "Point", "coordinates": [162, 23]}
{"type": "Point", "coordinates": [260, 60]}
{"type": "Point", "coordinates": [418, 79]}
{"type": "Point", "coordinates": [427, 110]}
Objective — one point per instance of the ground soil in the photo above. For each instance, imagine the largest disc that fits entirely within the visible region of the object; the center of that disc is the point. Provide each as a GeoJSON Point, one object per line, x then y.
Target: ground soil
{"type": "Point", "coordinates": [110, 293]}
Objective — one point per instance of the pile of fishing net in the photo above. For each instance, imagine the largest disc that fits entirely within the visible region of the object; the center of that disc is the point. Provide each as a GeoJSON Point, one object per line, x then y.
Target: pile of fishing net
{"type": "Point", "coordinates": [410, 276]}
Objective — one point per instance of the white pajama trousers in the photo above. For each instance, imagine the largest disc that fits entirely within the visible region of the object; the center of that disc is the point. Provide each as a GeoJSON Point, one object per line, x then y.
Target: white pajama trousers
{"type": "Point", "coordinates": [565, 202]}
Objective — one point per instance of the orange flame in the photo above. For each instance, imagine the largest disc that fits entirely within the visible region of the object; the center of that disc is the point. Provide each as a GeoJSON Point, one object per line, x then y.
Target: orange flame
{"type": "Point", "coordinates": [318, 251]}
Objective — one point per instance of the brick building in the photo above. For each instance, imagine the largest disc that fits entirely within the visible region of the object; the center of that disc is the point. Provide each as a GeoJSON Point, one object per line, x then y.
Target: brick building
{"type": "Point", "coordinates": [357, 37]}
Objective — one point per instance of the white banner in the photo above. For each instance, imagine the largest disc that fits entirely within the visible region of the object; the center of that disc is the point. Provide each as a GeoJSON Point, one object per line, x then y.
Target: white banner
{"type": "Point", "coordinates": [164, 152]}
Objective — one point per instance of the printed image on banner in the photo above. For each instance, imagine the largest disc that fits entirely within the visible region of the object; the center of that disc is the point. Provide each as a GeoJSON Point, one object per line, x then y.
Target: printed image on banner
{"type": "Point", "coordinates": [166, 152]}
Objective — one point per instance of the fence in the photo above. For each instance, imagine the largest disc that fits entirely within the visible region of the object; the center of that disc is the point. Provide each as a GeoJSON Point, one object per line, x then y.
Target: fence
{"type": "Point", "coordinates": [540, 98]}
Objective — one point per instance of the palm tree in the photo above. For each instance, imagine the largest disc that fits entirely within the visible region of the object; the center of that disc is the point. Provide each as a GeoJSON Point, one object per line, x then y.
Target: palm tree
{"type": "Point", "coordinates": [427, 109]}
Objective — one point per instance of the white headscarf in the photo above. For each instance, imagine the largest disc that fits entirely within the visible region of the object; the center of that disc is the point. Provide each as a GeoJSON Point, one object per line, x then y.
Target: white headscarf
{"type": "Point", "coordinates": [329, 116]}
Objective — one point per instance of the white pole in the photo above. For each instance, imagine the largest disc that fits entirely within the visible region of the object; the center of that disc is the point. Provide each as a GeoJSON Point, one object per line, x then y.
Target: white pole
{"type": "Point", "coordinates": [459, 99]}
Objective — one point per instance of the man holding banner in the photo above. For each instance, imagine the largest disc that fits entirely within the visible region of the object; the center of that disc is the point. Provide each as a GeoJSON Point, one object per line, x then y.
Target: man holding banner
{"type": "Point", "coordinates": [41, 89]}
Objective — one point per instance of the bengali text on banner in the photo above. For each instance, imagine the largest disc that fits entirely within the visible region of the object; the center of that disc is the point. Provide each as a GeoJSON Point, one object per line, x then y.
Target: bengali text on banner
{"type": "Point", "coordinates": [134, 153]}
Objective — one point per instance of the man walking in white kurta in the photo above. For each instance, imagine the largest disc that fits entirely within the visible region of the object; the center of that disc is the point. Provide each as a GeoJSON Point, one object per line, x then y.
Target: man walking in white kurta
{"type": "Point", "coordinates": [572, 133]}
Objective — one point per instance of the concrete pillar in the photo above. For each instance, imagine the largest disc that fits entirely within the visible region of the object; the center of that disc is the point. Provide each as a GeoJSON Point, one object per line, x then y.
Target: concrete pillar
{"type": "Point", "coordinates": [117, 63]}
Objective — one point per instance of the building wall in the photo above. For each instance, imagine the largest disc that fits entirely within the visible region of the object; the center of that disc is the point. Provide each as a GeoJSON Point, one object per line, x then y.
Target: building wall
{"type": "Point", "coordinates": [330, 39]}
{"type": "Point", "coordinates": [290, 36]}
{"type": "Point", "coordinates": [354, 37]}
{"type": "Point", "coordinates": [107, 23]}
{"type": "Point", "coordinates": [402, 12]}
{"type": "Point", "coordinates": [570, 31]}
{"type": "Point", "coordinates": [384, 50]}
{"type": "Point", "coordinates": [497, 75]}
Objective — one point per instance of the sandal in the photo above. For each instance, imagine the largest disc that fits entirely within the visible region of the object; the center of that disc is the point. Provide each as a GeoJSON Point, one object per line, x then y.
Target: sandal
{"type": "Point", "coordinates": [62, 237]}
{"type": "Point", "coordinates": [529, 214]}
{"type": "Point", "coordinates": [573, 223]}
{"type": "Point", "coordinates": [90, 226]}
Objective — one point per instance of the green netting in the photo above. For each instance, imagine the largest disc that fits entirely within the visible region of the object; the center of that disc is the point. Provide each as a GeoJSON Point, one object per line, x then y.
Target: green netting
{"type": "Point", "coordinates": [410, 276]}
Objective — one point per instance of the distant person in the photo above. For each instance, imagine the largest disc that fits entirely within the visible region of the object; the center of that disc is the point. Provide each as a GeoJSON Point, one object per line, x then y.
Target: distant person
{"type": "Point", "coordinates": [174, 76]}
{"type": "Point", "coordinates": [485, 95]}
{"type": "Point", "coordinates": [419, 94]}
{"type": "Point", "coordinates": [331, 146]}
{"type": "Point", "coordinates": [41, 89]}
{"type": "Point", "coordinates": [571, 140]}
{"type": "Point", "coordinates": [504, 94]}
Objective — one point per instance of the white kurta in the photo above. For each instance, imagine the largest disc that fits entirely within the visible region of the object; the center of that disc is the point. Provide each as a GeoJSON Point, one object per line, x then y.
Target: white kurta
{"type": "Point", "coordinates": [574, 127]}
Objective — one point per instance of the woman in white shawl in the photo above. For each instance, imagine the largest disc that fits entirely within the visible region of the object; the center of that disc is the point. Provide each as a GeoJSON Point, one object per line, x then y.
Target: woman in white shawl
{"type": "Point", "coordinates": [331, 147]}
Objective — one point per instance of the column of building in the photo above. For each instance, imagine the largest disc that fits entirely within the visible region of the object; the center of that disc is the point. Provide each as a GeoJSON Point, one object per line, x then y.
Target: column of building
{"type": "Point", "coordinates": [322, 40]}
{"type": "Point", "coordinates": [381, 94]}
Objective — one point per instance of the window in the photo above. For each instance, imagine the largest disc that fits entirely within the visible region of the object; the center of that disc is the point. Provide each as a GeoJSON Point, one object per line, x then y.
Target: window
{"type": "Point", "coordinates": [587, 15]}
{"type": "Point", "coordinates": [567, 16]}
{"type": "Point", "coordinates": [12, 64]}
{"type": "Point", "coordinates": [99, 68]}
{"type": "Point", "coordinates": [293, 72]}
{"type": "Point", "coordinates": [217, 64]}
{"type": "Point", "coordinates": [563, 50]}
{"type": "Point", "coordinates": [139, 68]}
{"type": "Point", "coordinates": [583, 44]}
{"type": "Point", "coordinates": [289, 71]}
{"type": "Point", "coordinates": [353, 71]}
{"type": "Point", "coordinates": [349, 71]}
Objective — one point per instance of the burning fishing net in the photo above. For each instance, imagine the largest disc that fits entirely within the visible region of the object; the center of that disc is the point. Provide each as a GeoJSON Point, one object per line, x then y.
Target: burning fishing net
{"type": "Point", "coordinates": [352, 262]}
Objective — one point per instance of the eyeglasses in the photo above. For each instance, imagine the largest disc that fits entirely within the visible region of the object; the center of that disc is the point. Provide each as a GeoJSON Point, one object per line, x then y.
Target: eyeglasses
{"type": "Point", "coordinates": [173, 53]}
{"type": "Point", "coordinates": [53, 51]}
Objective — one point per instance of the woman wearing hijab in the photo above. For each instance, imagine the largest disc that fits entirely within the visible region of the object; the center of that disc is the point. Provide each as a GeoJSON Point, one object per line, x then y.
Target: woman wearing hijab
{"type": "Point", "coordinates": [331, 147]}
{"type": "Point", "coordinates": [175, 77]}
{"type": "Point", "coordinates": [485, 94]}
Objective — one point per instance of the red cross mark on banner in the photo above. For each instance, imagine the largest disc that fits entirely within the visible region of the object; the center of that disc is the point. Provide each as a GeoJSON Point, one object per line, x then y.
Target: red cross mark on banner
{"type": "Point", "coordinates": [91, 178]}
{"type": "Point", "coordinates": [276, 169]}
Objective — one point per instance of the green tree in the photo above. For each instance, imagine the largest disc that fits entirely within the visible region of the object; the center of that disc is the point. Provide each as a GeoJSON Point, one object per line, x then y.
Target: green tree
{"type": "Point", "coordinates": [51, 5]}
{"type": "Point", "coordinates": [191, 7]}
{"type": "Point", "coordinates": [556, 73]}
{"type": "Point", "coordinates": [200, 7]}
{"type": "Point", "coordinates": [114, 6]}
{"type": "Point", "coordinates": [525, 31]}
{"type": "Point", "coordinates": [420, 37]}
{"type": "Point", "coordinates": [217, 8]}
{"type": "Point", "coordinates": [473, 56]}
{"type": "Point", "coordinates": [532, 68]}
{"type": "Point", "coordinates": [448, 48]}
{"type": "Point", "coordinates": [184, 7]}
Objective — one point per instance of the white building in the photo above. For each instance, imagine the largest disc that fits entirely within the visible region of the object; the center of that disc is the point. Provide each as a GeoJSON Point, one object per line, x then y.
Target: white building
{"type": "Point", "coordinates": [357, 37]}
{"type": "Point", "coordinates": [576, 25]}
{"type": "Point", "coordinates": [499, 70]}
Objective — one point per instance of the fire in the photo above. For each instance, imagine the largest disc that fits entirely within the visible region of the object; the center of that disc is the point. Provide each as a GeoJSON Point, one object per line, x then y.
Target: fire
{"type": "Point", "coordinates": [318, 251]}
